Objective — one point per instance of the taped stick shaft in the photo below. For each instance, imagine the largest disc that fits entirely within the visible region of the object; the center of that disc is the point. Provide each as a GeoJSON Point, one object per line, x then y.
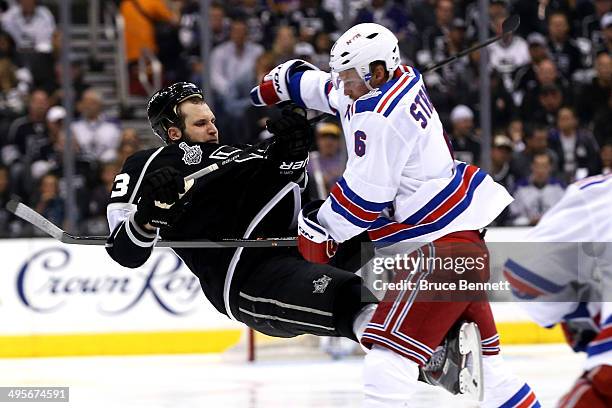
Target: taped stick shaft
{"type": "Point", "coordinates": [28, 214]}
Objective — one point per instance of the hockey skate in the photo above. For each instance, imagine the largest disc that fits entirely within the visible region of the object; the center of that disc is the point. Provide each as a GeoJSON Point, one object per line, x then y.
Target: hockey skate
{"type": "Point", "coordinates": [456, 365]}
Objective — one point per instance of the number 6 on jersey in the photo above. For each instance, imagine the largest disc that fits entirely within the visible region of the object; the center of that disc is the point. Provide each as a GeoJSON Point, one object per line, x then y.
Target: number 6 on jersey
{"type": "Point", "coordinates": [360, 146]}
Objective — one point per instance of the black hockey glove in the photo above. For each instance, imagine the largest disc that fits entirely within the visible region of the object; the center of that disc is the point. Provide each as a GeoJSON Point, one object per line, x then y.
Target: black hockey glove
{"type": "Point", "coordinates": [158, 196]}
{"type": "Point", "coordinates": [294, 137]}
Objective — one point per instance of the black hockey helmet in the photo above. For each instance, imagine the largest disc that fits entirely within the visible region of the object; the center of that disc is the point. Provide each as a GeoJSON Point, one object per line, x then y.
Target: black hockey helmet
{"type": "Point", "coordinates": [162, 107]}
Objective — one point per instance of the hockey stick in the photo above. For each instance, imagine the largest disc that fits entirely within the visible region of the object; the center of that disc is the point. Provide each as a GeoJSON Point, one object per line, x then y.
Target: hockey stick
{"type": "Point", "coordinates": [508, 26]}
{"type": "Point", "coordinates": [28, 214]}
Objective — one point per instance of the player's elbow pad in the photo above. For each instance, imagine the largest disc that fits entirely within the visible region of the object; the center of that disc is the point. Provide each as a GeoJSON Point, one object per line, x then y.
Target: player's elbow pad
{"type": "Point", "coordinates": [274, 87]}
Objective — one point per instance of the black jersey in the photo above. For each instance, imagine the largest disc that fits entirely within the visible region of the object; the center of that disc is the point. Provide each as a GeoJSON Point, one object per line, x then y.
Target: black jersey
{"type": "Point", "coordinates": [247, 199]}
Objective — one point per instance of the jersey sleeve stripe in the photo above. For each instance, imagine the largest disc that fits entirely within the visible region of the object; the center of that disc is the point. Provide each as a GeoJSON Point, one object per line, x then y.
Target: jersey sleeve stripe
{"type": "Point", "coordinates": [403, 80]}
{"type": "Point", "coordinates": [370, 206]}
{"type": "Point", "coordinates": [328, 88]}
{"type": "Point", "coordinates": [397, 232]}
{"type": "Point", "coordinates": [457, 196]}
{"type": "Point", "coordinates": [439, 198]}
{"type": "Point", "coordinates": [337, 208]}
{"type": "Point", "coordinates": [535, 281]}
{"type": "Point", "coordinates": [295, 90]}
{"type": "Point", "coordinates": [402, 93]}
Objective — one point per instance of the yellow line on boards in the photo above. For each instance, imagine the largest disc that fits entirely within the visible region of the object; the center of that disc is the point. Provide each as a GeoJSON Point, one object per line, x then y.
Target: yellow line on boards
{"type": "Point", "coordinates": [184, 342]}
{"type": "Point", "coordinates": [528, 333]}
{"type": "Point", "coordinates": [123, 343]}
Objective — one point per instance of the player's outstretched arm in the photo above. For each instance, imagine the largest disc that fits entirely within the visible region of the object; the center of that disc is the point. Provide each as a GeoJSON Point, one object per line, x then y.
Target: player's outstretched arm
{"type": "Point", "coordinates": [297, 81]}
{"type": "Point", "coordinates": [158, 206]}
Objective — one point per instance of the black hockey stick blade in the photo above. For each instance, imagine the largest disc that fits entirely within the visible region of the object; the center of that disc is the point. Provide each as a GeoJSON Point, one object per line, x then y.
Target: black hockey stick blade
{"type": "Point", "coordinates": [28, 214]}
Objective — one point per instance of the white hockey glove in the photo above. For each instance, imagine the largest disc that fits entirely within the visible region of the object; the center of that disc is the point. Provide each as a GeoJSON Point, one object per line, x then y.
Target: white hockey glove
{"type": "Point", "coordinates": [274, 87]}
{"type": "Point", "coordinates": [314, 242]}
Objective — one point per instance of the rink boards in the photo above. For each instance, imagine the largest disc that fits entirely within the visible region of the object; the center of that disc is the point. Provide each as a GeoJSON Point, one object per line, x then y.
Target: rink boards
{"type": "Point", "coordinates": [58, 299]}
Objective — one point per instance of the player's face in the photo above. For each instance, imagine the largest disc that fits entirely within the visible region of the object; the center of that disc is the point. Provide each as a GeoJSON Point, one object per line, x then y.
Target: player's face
{"type": "Point", "coordinates": [199, 123]}
{"type": "Point", "coordinates": [354, 86]}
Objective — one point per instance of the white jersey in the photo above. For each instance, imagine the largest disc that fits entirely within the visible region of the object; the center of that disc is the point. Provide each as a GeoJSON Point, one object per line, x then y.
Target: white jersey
{"type": "Point", "coordinates": [574, 246]}
{"type": "Point", "coordinates": [401, 182]}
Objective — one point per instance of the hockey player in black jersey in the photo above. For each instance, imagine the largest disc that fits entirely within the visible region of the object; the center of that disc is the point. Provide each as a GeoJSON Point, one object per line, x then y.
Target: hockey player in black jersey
{"type": "Point", "coordinates": [272, 290]}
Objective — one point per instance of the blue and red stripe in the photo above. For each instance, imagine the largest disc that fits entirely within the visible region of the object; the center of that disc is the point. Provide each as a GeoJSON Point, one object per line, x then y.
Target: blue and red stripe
{"type": "Point", "coordinates": [400, 95]}
{"type": "Point", "coordinates": [354, 208]}
{"type": "Point", "coordinates": [446, 206]}
{"type": "Point", "coordinates": [603, 342]}
{"type": "Point", "coordinates": [528, 280]}
{"type": "Point", "coordinates": [524, 398]}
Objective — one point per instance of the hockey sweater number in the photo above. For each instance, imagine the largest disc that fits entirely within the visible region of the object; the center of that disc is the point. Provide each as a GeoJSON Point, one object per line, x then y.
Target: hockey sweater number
{"type": "Point", "coordinates": [360, 145]}
{"type": "Point", "coordinates": [121, 185]}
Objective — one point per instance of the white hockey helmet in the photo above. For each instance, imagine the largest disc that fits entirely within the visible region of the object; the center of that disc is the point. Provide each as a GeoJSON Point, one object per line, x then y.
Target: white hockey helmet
{"type": "Point", "coordinates": [363, 44]}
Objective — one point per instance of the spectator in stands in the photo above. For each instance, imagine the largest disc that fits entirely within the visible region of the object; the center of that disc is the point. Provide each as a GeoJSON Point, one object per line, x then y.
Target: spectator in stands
{"type": "Point", "coordinates": [564, 51]}
{"type": "Point", "coordinates": [28, 136]}
{"type": "Point", "coordinates": [454, 42]}
{"type": "Point", "coordinates": [13, 92]}
{"type": "Point", "coordinates": [277, 14]}
{"type": "Point", "coordinates": [501, 171]}
{"type": "Point", "coordinates": [234, 58]}
{"type": "Point", "coordinates": [537, 194]}
{"type": "Point", "coordinates": [98, 138]}
{"type": "Point", "coordinates": [189, 31]}
{"type": "Point", "coordinates": [95, 222]}
{"type": "Point", "coordinates": [386, 13]}
{"type": "Point", "coordinates": [516, 132]}
{"type": "Point", "coordinates": [525, 77]}
{"type": "Point", "coordinates": [536, 142]}
{"type": "Point", "coordinates": [312, 18]}
{"type": "Point", "coordinates": [130, 136]}
{"type": "Point", "coordinates": [546, 75]}
{"type": "Point", "coordinates": [508, 54]}
{"type": "Point", "coordinates": [602, 128]}
{"type": "Point", "coordinates": [284, 44]}
{"type": "Point", "coordinates": [551, 100]}
{"type": "Point", "coordinates": [47, 200]}
{"type": "Point", "coordinates": [596, 94]}
{"type": "Point", "coordinates": [30, 25]}
{"type": "Point", "coordinates": [576, 148]}
{"type": "Point", "coordinates": [237, 101]}
{"type": "Point", "coordinates": [465, 144]}
{"type": "Point", "coordinates": [330, 160]}
{"type": "Point", "coordinates": [139, 16]}
{"type": "Point", "coordinates": [590, 26]}
{"type": "Point", "coordinates": [10, 226]}
{"type": "Point", "coordinates": [501, 157]}
{"type": "Point", "coordinates": [322, 44]}
{"type": "Point", "coordinates": [433, 36]}
{"type": "Point", "coordinates": [605, 155]}
{"type": "Point", "coordinates": [79, 85]}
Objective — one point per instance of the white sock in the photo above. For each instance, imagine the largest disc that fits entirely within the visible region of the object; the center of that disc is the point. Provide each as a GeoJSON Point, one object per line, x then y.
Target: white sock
{"type": "Point", "coordinates": [389, 379]}
{"type": "Point", "coordinates": [361, 322]}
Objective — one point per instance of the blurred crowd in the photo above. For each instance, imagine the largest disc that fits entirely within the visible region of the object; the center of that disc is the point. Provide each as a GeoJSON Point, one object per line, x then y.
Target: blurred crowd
{"type": "Point", "coordinates": [550, 90]}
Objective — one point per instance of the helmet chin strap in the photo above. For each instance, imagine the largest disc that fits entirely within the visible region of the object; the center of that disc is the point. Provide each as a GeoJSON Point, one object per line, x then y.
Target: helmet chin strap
{"type": "Point", "coordinates": [367, 79]}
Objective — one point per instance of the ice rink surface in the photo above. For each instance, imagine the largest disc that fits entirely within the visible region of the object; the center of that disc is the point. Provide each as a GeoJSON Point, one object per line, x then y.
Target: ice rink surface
{"type": "Point", "coordinates": [211, 381]}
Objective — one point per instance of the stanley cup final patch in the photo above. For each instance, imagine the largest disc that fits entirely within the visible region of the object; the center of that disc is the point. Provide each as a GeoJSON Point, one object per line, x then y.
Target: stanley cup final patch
{"type": "Point", "coordinates": [193, 154]}
{"type": "Point", "coordinates": [321, 284]}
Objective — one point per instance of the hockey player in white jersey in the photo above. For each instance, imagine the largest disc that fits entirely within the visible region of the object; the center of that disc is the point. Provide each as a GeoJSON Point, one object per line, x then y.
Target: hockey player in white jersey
{"type": "Point", "coordinates": [403, 186]}
{"type": "Point", "coordinates": [566, 278]}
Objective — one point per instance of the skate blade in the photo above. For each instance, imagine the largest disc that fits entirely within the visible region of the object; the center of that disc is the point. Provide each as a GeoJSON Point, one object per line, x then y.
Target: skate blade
{"type": "Point", "coordinates": [471, 376]}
